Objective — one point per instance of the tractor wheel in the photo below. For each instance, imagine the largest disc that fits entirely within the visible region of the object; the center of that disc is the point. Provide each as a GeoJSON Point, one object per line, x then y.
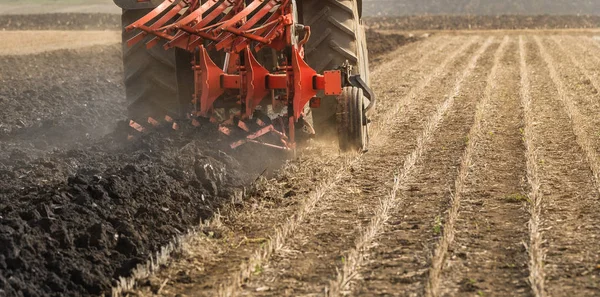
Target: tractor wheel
{"type": "Point", "coordinates": [151, 76]}
{"type": "Point", "coordinates": [337, 36]}
{"type": "Point", "coordinates": [352, 124]}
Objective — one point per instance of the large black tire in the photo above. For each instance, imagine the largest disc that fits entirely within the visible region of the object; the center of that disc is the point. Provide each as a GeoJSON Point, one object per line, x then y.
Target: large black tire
{"type": "Point", "coordinates": [151, 77]}
{"type": "Point", "coordinates": [337, 36]}
{"type": "Point", "coordinates": [352, 125]}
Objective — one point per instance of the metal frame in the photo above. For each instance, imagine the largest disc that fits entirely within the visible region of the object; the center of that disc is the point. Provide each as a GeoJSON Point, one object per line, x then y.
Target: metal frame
{"type": "Point", "coordinates": [240, 29]}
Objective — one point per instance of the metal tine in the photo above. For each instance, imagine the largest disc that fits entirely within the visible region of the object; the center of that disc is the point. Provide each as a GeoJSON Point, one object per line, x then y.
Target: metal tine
{"type": "Point", "coordinates": [186, 30]}
{"type": "Point", "coordinates": [155, 40]}
{"type": "Point", "coordinates": [156, 25]}
{"type": "Point", "coordinates": [169, 15]}
{"type": "Point", "coordinates": [197, 40]}
{"type": "Point", "coordinates": [271, 23]}
{"type": "Point", "coordinates": [270, 35]}
{"type": "Point", "coordinates": [175, 8]}
{"type": "Point", "coordinates": [193, 16]}
{"type": "Point", "coordinates": [228, 38]}
{"type": "Point", "coordinates": [243, 14]}
{"type": "Point", "coordinates": [151, 15]}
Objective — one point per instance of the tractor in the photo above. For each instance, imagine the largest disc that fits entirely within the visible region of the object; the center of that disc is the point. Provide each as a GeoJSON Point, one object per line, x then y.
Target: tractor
{"type": "Point", "coordinates": [260, 71]}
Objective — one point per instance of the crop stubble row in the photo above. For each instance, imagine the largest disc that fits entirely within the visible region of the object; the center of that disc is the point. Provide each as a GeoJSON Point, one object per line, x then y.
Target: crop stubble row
{"type": "Point", "coordinates": [251, 223]}
{"type": "Point", "coordinates": [498, 197]}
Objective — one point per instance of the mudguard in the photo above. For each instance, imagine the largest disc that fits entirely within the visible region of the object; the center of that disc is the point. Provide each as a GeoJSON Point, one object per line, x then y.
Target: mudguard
{"type": "Point", "coordinates": [137, 4]}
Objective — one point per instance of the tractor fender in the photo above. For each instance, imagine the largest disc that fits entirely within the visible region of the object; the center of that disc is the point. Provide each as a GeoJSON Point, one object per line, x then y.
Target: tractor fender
{"type": "Point", "coordinates": [137, 4]}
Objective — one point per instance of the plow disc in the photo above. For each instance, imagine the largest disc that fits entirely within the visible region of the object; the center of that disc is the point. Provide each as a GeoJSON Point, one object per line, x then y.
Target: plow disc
{"type": "Point", "coordinates": [230, 93]}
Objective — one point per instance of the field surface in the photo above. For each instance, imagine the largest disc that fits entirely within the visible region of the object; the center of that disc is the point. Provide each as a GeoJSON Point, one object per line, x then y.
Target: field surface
{"type": "Point", "coordinates": [483, 179]}
{"type": "Point", "coordinates": [32, 42]}
{"type": "Point", "coordinates": [480, 7]}
{"type": "Point", "coordinates": [58, 6]}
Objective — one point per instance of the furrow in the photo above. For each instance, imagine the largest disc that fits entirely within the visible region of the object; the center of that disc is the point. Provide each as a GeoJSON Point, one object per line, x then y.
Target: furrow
{"type": "Point", "coordinates": [460, 183]}
{"type": "Point", "coordinates": [578, 122]}
{"type": "Point", "coordinates": [313, 253]}
{"type": "Point", "coordinates": [590, 79]}
{"type": "Point", "coordinates": [384, 114]}
{"type": "Point", "coordinates": [282, 234]}
{"type": "Point", "coordinates": [581, 80]}
{"type": "Point", "coordinates": [231, 264]}
{"type": "Point", "coordinates": [402, 251]}
{"type": "Point", "coordinates": [592, 65]}
{"type": "Point", "coordinates": [356, 256]}
{"type": "Point", "coordinates": [418, 53]}
{"type": "Point", "coordinates": [395, 109]}
{"type": "Point", "coordinates": [590, 51]}
{"type": "Point", "coordinates": [536, 253]}
{"type": "Point", "coordinates": [594, 43]}
{"type": "Point", "coordinates": [563, 214]}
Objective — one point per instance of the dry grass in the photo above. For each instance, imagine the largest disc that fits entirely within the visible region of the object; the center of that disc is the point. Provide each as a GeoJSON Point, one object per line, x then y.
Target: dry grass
{"type": "Point", "coordinates": [195, 237]}
{"type": "Point", "coordinates": [474, 136]}
{"type": "Point", "coordinates": [577, 63]}
{"type": "Point", "coordinates": [594, 42]}
{"type": "Point", "coordinates": [276, 242]}
{"type": "Point", "coordinates": [589, 54]}
{"type": "Point", "coordinates": [536, 253]}
{"type": "Point", "coordinates": [429, 49]}
{"type": "Point", "coordinates": [579, 124]}
{"type": "Point", "coordinates": [392, 113]}
{"type": "Point", "coordinates": [356, 256]}
{"type": "Point", "coordinates": [283, 232]}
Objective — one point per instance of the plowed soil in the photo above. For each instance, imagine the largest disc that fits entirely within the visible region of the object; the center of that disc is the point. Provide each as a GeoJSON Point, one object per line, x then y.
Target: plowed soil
{"type": "Point", "coordinates": [34, 19]}
{"type": "Point", "coordinates": [482, 181]}
{"type": "Point", "coordinates": [80, 205]}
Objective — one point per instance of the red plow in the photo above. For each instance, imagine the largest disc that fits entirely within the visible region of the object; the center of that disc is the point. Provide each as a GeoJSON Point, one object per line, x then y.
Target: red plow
{"type": "Point", "coordinates": [239, 92]}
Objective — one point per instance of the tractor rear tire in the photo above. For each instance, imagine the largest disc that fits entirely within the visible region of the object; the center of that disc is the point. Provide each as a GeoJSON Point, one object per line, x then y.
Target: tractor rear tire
{"type": "Point", "coordinates": [352, 124]}
{"type": "Point", "coordinates": [150, 76]}
{"type": "Point", "coordinates": [337, 36]}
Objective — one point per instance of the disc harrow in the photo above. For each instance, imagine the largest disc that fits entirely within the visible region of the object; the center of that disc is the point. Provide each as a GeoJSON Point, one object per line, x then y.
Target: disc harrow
{"type": "Point", "coordinates": [239, 92]}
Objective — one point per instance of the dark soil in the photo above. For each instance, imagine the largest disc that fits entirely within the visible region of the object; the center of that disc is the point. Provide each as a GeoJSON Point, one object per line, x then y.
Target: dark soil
{"type": "Point", "coordinates": [73, 220]}
{"type": "Point", "coordinates": [80, 205]}
{"type": "Point", "coordinates": [456, 22]}
{"type": "Point", "coordinates": [63, 21]}
{"type": "Point", "coordinates": [380, 43]}
{"type": "Point", "coordinates": [59, 99]}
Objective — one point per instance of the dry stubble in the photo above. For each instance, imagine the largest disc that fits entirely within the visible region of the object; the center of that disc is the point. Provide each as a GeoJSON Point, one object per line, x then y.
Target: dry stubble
{"type": "Point", "coordinates": [441, 252]}
{"type": "Point", "coordinates": [355, 257]}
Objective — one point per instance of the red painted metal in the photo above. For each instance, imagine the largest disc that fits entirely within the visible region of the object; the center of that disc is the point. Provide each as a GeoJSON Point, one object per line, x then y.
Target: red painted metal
{"type": "Point", "coordinates": [240, 29]}
{"type": "Point", "coordinates": [303, 83]}
{"type": "Point", "coordinates": [332, 82]}
{"type": "Point", "coordinates": [315, 102]}
{"type": "Point", "coordinates": [256, 87]}
{"type": "Point", "coordinates": [136, 126]}
{"type": "Point", "coordinates": [153, 122]}
{"type": "Point", "coordinates": [209, 85]}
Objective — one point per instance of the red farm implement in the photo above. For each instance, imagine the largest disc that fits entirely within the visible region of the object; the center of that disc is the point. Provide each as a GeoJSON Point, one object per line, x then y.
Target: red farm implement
{"type": "Point", "coordinates": [249, 73]}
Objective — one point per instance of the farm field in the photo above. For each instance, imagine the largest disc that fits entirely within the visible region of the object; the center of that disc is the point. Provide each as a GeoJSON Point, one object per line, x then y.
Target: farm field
{"type": "Point", "coordinates": [483, 179]}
